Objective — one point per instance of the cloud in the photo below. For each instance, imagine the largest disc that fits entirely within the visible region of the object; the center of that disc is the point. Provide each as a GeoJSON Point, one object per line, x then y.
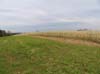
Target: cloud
{"type": "Point", "coordinates": [25, 12]}
{"type": "Point", "coordinates": [5, 10]}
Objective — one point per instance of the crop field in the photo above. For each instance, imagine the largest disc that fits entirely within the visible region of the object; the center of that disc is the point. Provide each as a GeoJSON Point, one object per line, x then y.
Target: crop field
{"type": "Point", "coordinates": [26, 54]}
{"type": "Point", "coordinates": [93, 36]}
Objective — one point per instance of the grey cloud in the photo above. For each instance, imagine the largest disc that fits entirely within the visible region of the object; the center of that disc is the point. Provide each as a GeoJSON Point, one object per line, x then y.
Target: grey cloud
{"type": "Point", "coordinates": [32, 11]}
{"type": "Point", "coordinates": [6, 10]}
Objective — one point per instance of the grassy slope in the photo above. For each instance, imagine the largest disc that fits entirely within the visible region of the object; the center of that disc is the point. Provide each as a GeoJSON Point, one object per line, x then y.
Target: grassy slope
{"type": "Point", "coordinates": [27, 55]}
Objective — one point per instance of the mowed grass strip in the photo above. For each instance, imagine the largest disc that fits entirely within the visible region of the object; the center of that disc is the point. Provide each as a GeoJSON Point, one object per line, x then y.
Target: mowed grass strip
{"type": "Point", "coordinates": [28, 55]}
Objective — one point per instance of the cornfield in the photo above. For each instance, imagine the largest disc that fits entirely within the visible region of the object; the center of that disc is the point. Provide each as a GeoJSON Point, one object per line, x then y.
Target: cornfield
{"type": "Point", "coordinates": [83, 35]}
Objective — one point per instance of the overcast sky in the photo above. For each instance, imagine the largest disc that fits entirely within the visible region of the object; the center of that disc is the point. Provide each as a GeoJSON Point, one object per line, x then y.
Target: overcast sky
{"type": "Point", "coordinates": [31, 12]}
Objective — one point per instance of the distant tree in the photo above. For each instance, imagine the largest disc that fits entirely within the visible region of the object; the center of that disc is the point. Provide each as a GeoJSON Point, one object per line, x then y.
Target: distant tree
{"type": "Point", "coordinates": [82, 29]}
{"type": "Point", "coordinates": [5, 33]}
{"type": "Point", "coordinates": [9, 33]}
{"type": "Point", "coordinates": [2, 33]}
{"type": "Point", "coordinates": [37, 30]}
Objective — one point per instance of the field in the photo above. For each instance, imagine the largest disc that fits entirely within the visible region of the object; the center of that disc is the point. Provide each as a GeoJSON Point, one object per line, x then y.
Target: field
{"type": "Point", "coordinates": [93, 36]}
{"type": "Point", "coordinates": [27, 54]}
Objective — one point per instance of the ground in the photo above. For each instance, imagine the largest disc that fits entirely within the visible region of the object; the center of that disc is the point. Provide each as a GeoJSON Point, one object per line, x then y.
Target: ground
{"type": "Point", "coordinates": [33, 55]}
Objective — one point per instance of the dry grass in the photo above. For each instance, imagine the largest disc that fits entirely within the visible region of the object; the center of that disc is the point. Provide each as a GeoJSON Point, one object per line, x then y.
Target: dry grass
{"type": "Point", "coordinates": [93, 36]}
{"type": "Point", "coordinates": [72, 41]}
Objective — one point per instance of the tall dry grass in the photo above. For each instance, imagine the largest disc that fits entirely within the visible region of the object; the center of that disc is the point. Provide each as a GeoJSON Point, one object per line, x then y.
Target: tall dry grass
{"type": "Point", "coordinates": [83, 35]}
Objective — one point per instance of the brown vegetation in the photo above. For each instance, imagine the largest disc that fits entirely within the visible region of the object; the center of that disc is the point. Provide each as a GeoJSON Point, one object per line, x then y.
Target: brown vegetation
{"type": "Point", "coordinates": [83, 37]}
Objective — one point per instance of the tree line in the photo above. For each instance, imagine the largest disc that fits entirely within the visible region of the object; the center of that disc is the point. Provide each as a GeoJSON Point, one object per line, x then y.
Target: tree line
{"type": "Point", "coordinates": [5, 33]}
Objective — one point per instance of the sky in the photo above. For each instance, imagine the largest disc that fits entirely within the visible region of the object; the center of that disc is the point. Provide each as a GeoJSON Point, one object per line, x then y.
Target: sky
{"type": "Point", "coordinates": [34, 12]}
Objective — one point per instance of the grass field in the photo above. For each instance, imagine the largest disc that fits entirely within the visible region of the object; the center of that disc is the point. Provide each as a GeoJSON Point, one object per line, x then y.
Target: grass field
{"type": "Point", "coordinates": [28, 55]}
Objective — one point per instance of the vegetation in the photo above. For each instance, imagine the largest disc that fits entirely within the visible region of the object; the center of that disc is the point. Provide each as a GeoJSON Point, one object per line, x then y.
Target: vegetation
{"type": "Point", "coordinates": [4, 33]}
{"type": "Point", "coordinates": [28, 55]}
{"type": "Point", "coordinates": [83, 35]}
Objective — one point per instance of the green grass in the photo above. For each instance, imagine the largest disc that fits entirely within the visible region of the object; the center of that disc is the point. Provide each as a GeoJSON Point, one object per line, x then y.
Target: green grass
{"type": "Point", "coordinates": [27, 55]}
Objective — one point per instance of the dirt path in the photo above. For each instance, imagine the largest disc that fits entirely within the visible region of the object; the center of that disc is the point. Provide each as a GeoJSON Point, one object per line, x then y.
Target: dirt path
{"type": "Point", "coordinates": [72, 41]}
